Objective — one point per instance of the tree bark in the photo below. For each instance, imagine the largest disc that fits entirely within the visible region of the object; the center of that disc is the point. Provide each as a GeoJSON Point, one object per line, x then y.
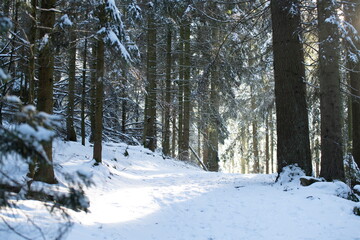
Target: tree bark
{"type": "Point", "coordinates": [187, 94]}
{"type": "Point", "coordinates": [70, 129]}
{"type": "Point", "coordinates": [93, 91]}
{"type": "Point", "coordinates": [254, 124]}
{"type": "Point", "coordinates": [32, 52]}
{"type": "Point", "coordinates": [99, 92]}
{"type": "Point", "coordinates": [166, 139]}
{"type": "Point", "coordinates": [331, 137]}
{"type": "Point", "coordinates": [352, 13]}
{"type": "Point", "coordinates": [45, 170]}
{"type": "Point", "coordinates": [181, 94]}
{"type": "Point", "coordinates": [293, 145]}
{"type": "Point", "coordinates": [83, 94]}
{"type": "Point", "coordinates": [150, 138]}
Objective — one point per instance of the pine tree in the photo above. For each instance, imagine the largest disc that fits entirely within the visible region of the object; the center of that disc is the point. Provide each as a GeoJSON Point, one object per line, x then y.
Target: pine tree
{"type": "Point", "coordinates": [293, 146]}
{"type": "Point", "coordinates": [45, 171]}
{"type": "Point", "coordinates": [329, 74]}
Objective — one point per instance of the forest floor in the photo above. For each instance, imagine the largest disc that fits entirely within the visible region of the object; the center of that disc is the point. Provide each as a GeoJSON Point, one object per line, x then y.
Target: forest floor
{"type": "Point", "coordinates": [143, 196]}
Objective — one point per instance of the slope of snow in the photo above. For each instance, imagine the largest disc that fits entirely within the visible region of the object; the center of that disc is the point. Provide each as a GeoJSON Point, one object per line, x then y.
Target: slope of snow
{"type": "Point", "coordinates": [143, 196]}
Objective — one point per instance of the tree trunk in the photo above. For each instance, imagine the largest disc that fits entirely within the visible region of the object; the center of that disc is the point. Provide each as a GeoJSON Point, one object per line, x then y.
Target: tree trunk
{"type": "Point", "coordinates": [353, 17]}
{"type": "Point", "coordinates": [99, 96]}
{"type": "Point", "coordinates": [267, 144]}
{"type": "Point", "coordinates": [70, 130]}
{"type": "Point", "coordinates": [293, 145]}
{"type": "Point", "coordinates": [256, 168]}
{"type": "Point", "coordinates": [93, 91]}
{"type": "Point", "coordinates": [331, 138]}
{"type": "Point", "coordinates": [99, 93]}
{"type": "Point", "coordinates": [151, 95]}
{"type": "Point", "coordinates": [166, 139]}
{"type": "Point", "coordinates": [181, 94]}
{"type": "Point", "coordinates": [45, 170]}
{"type": "Point", "coordinates": [271, 125]}
{"type": "Point", "coordinates": [213, 130]}
{"type": "Point", "coordinates": [173, 139]}
{"type": "Point", "coordinates": [123, 109]}
{"type": "Point", "coordinates": [83, 95]}
{"type": "Point", "coordinates": [32, 52]}
{"type": "Point", "coordinates": [187, 94]}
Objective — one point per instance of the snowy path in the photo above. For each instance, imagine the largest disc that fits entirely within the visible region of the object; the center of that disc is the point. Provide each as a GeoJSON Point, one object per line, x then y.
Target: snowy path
{"type": "Point", "coordinates": [145, 197]}
{"type": "Point", "coordinates": [160, 199]}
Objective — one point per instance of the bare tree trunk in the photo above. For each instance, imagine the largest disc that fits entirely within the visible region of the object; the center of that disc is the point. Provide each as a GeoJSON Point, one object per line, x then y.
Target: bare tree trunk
{"type": "Point", "coordinates": [99, 93]}
{"type": "Point", "coordinates": [267, 143]}
{"type": "Point", "coordinates": [32, 52]}
{"type": "Point", "coordinates": [166, 139]}
{"type": "Point", "coordinates": [331, 137]}
{"type": "Point", "coordinates": [97, 153]}
{"type": "Point", "coordinates": [293, 145]}
{"type": "Point", "coordinates": [45, 170]}
{"type": "Point", "coordinates": [70, 130]}
{"type": "Point", "coordinates": [271, 140]}
{"type": "Point", "coordinates": [181, 94]}
{"type": "Point", "coordinates": [173, 139]}
{"type": "Point", "coordinates": [213, 130]}
{"type": "Point", "coordinates": [83, 95]}
{"type": "Point", "coordinates": [352, 12]}
{"type": "Point", "coordinates": [187, 93]}
{"type": "Point", "coordinates": [93, 91]}
{"type": "Point", "coordinates": [256, 168]}
{"type": "Point", "coordinates": [123, 110]}
{"type": "Point", "coordinates": [151, 95]}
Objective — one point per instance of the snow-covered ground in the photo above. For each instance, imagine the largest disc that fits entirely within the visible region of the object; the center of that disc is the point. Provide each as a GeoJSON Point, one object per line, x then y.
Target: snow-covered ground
{"type": "Point", "coordinates": [143, 196]}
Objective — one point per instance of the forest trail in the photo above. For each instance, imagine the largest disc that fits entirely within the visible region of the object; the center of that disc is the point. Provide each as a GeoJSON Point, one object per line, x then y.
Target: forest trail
{"type": "Point", "coordinates": [142, 196]}
{"type": "Point", "coordinates": [149, 197]}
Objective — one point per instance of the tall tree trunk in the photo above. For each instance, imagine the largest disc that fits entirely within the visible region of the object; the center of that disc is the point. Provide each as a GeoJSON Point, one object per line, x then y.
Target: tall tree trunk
{"type": "Point", "coordinates": [93, 77]}
{"type": "Point", "coordinates": [99, 96]}
{"type": "Point", "coordinates": [271, 125]}
{"type": "Point", "coordinates": [187, 93]}
{"type": "Point", "coordinates": [173, 138]}
{"type": "Point", "coordinates": [123, 109]}
{"type": "Point", "coordinates": [254, 124]}
{"type": "Point", "coordinates": [267, 144]}
{"type": "Point", "coordinates": [99, 93]}
{"type": "Point", "coordinates": [32, 52]}
{"type": "Point", "coordinates": [244, 149]}
{"type": "Point", "coordinates": [293, 145]}
{"type": "Point", "coordinates": [331, 138]}
{"type": "Point", "coordinates": [352, 12]}
{"type": "Point", "coordinates": [213, 130]}
{"type": "Point", "coordinates": [166, 139]}
{"type": "Point", "coordinates": [181, 94]}
{"type": "Point", "coordinates": [45, 170]}
{"type": "Point", "coordinates": [83, 94]}
{"type": "Point", "coordinates": [70, 129]}
{"type": "Point", "coordinates": [151, 95]}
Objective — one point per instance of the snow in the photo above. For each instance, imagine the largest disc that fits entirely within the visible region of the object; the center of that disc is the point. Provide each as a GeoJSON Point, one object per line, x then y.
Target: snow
{"type": "Point", "coordinates": [3, 75]}
{"type": "Point", "coordinates": [144, 196]}
{"type": "Point", "coordinates": [39, 133]}
{"type": "Point", "coordinates": [12, 99]}
{"type": "Point", "coordinates": [65, 21]}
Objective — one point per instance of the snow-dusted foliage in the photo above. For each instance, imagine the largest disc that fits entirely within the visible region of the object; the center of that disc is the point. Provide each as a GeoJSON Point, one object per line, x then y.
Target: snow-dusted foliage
{"type": "Point", "coordinates": [5, 25]}
{"type": "Point", "coordinates": [65, 21]}
{"type": "Point", "coordinates": [114, 33]}
{"type": "Point", "coordinates": [21, 149]}
{"type": "Point", "coordinates": [352, 171]}
{"type": "Point", "coordinates": [290, 175]}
